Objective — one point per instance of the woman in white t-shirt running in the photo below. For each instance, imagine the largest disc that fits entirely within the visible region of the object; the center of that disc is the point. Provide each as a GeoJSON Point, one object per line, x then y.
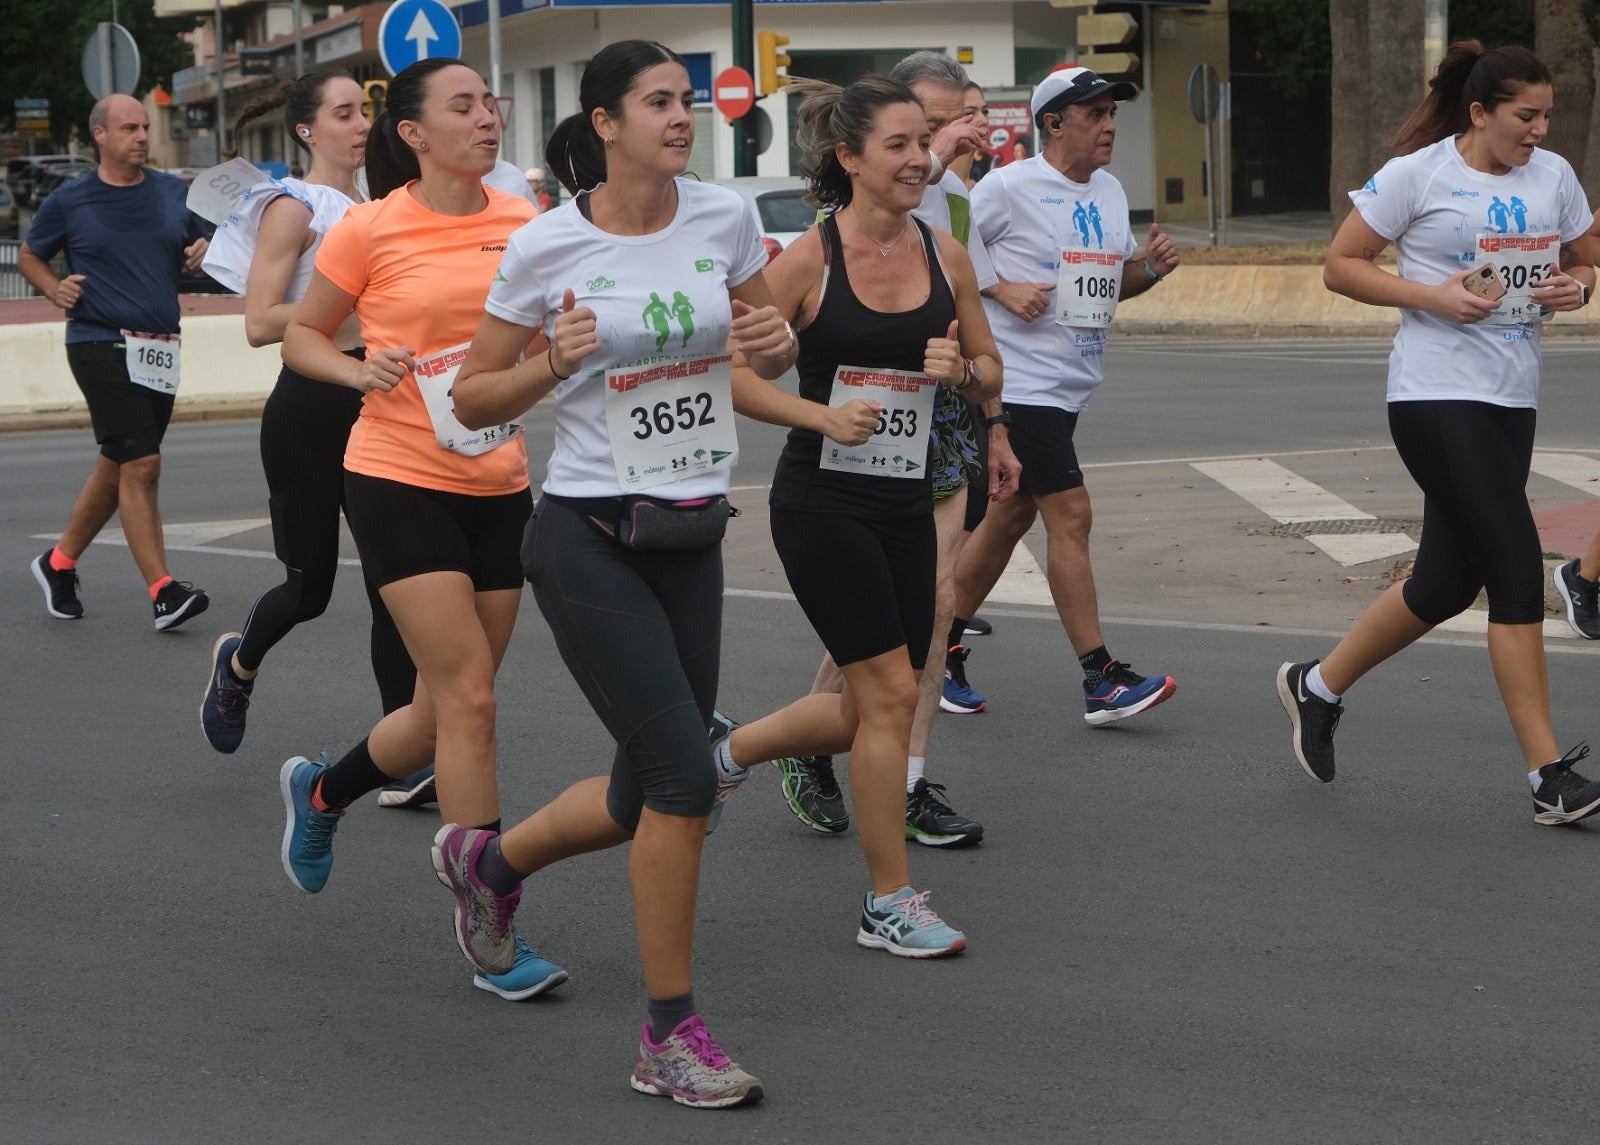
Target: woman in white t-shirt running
{"type": "Point", "coordinates": [635, 293]}
{"type": "Point", "coordinates": [1469, 188]}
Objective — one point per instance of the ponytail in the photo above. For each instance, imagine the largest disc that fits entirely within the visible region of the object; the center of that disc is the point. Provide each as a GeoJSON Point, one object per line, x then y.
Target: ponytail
{"type": "Point", "coordinates": [1468, 75]}
{"type": "Point", "coordinates": [575, 154]}
{"type": "Point", "coordinates": [255, 109]}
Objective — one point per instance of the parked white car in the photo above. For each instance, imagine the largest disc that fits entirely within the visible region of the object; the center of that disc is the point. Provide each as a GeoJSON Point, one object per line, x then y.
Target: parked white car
{"type": "Point", "coordinates": [778, 202]}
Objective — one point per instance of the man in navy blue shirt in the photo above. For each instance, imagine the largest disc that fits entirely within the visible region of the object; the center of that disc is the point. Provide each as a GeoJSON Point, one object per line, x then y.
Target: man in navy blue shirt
{"type": "Point", "coordinates": [127, 232]}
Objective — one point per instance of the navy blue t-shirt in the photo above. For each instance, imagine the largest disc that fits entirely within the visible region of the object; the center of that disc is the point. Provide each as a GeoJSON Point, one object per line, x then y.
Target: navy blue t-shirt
{"type": "Point", "coordinates": [128, 243]}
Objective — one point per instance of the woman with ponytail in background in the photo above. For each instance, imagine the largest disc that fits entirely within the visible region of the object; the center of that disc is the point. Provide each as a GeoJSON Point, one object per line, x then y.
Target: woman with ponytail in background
{"type": "Point", "coordinates": [1490, 233]}
{"type": "Point", "coordinates": [265, 250]}
{"type": "Point", "coordinates": [437, 510]}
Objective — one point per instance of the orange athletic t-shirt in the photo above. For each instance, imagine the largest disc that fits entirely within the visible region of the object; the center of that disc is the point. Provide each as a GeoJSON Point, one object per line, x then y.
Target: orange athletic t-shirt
{"type": "Point", "coordinates": [420, 280]}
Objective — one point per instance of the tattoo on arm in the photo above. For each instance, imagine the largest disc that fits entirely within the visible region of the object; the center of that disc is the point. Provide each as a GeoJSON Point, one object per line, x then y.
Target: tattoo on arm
{"type": "Point", "coordinates": [1568, 257]}
{"type": "Point", "coordinates": [1369, 254]}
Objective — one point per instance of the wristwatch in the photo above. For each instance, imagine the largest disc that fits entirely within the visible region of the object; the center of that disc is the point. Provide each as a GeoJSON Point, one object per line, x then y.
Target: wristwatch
{"type": "Point", "coordinates": [1150, 272]}
{"type": "Point", "coordinates": [997, 419]}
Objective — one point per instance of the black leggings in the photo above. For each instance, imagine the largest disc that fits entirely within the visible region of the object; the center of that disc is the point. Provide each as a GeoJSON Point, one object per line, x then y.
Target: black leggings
{"type": "Point", "coordinates": [641, 633]}
{"type": "Point", "coordinates": [1471, 460]}
{"type": "Point", "coordinates": [303, 437]}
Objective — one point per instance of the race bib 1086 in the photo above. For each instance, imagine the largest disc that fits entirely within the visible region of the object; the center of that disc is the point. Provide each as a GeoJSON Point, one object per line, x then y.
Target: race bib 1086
{"type": "Point", "coordinates": [1088, 287]}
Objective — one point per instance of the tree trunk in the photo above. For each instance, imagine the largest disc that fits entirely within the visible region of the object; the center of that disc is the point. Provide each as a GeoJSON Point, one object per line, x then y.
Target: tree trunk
{"type": "Point", "coordinates": [1395, 83]}
{"type": "Point", "coordinates": [1589, 169]}
{"type": "Point", "coordinates": [1348, 165]}
{"type": "Point", "coordinates": [1561, 40]}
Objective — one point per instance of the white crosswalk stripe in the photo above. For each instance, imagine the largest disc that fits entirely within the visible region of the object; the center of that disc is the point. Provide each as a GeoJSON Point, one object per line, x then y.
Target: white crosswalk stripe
{"type": "Point", "coordinates": [1574, 469]}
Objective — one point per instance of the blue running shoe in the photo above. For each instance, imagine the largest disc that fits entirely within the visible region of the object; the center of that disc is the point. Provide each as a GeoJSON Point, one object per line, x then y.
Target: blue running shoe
{"type": "Point", "coordinates": [906, 925]}
{"type": "Point", "coordinates": [308, 835]}
{"type": "Point", "coordinates": [227, 698]}
{"type": "Point", "coordinates": [529, 976]}
{"type": "Point", "coordinates": [958, 696]}
{"type": "Point", "coordinates": [1122, 692]}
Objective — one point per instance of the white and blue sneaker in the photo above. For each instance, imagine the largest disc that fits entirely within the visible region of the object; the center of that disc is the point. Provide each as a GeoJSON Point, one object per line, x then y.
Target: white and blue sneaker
{"type": "Point", "coordinates": [308, 834]}
{"type": "Point", "coordinates": [906, 925]}
{"type": "Point", "coordinates": [528, 977]}
{"type": "Point", "coordinates": [1122, 692]}
{"type": "Point", "coordinates": [958, 697]}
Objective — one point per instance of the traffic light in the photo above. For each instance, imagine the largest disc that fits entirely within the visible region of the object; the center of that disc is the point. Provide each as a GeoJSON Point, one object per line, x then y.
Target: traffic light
{"type": "Point", "coordinates": [769, 60]}
{"type": "Point", "coordinates": [376, 92]}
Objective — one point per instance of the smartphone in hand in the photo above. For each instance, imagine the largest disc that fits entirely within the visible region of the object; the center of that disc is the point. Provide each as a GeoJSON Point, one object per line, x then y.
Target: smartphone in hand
{"type": "Point", "coordinates": [1486, 283]}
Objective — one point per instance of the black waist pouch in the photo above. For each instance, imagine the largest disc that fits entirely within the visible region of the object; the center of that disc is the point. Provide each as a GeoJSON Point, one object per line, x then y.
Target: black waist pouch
{"type": "Point", "coordinates": [651, 525]}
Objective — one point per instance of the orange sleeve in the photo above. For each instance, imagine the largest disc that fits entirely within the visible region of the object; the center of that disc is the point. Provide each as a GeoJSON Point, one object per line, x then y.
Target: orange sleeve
{"type": "Point", "coordinates": [343, 256]}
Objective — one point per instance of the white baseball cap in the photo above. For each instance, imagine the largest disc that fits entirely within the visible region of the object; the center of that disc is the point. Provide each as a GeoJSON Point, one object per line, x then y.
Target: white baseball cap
{"type": "Point", "coordinates": [1072, 84]}
{"type": "Point", "coordinates": [534, 175]}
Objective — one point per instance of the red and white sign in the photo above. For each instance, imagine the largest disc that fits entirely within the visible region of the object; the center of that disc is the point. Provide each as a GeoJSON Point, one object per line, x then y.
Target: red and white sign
{"type": "Point", "coordinates": [502, 108]}
{"type": "Point", "coordinates": [734, 92]}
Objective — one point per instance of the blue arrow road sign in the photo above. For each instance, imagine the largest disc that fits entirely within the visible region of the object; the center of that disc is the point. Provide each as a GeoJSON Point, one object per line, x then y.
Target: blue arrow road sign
{"type": "Point", "coordinates": [414, 30]}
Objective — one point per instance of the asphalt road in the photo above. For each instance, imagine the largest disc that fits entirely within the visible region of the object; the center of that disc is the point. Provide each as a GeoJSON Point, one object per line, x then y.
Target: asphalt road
{"type": "Point", "coordinates": [1175, 935]}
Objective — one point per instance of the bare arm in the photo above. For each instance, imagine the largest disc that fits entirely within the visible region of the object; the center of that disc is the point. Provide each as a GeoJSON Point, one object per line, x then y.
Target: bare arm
{"type": "Point", "coordinates": [64, 292]}
{"type": "Point", "coordinates": [309, 349]}
{"type": "Point", "coordinates": [284, 234]}
{"type": "Point", "coordinates": [1351, 270]}
{"type": "Point", "coordinates": [1160, 255]}
{"type": "Point", "coordinates": [493, 386]}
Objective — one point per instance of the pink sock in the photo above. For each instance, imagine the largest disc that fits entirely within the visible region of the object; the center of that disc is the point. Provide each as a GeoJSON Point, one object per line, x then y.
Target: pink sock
{"type": "Point", "coordinates": [155, 589]}
{"type": "Point", "coordinates": [60, 561]}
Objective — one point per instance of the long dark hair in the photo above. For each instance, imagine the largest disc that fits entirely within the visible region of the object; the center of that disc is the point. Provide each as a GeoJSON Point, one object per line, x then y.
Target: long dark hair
{"type": "Point", "coordinates": [390, 161]}
{"type": "Point", "coordinates": [575, 154]}
{"type": "Point", "coordinates": [1468, 75]}
{"type": "Point", "coordinates": [299, 99]}
{"type": "Point", "coordinates": [831, 115]}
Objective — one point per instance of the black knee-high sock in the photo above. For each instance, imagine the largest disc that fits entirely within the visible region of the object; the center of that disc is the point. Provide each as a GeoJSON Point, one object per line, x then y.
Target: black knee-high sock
{"type": "Point", "coordinates": [958, 632]}
{"type": "Point", "coordinates": [349, 779]}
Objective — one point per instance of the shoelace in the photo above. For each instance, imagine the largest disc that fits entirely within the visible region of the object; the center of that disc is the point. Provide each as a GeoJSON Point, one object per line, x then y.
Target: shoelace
{"type": "Point", "coordinates": [232, 698]}
{"type": "Point", "coordinates": [320, 826]}
{"type": "Point", "coordinates": [1574, 757]}
{"type": "Point", "coordinates": [917, 910]}
{"type": "Point", "coordinates": [934, 799]}
{"type": "Point", "coordinates": [704, 1047]}
{"type": "Point", "coordinates": [1120, 673]}
{"type": "Point", "coordinates": [827, 782]}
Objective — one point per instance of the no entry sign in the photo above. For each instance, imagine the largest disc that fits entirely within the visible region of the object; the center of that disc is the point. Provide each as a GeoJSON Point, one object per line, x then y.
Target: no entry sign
{"type": "Point", "coordinates": [734, 92]}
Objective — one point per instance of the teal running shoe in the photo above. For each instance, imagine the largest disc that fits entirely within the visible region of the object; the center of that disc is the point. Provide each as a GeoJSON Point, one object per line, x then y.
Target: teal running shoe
{"type": "Point", "coordinates": [308, 834]}
{"type": "Point", "coordinates": [907, 926]}
{"type": "Point", "coordinates": [528, 977]}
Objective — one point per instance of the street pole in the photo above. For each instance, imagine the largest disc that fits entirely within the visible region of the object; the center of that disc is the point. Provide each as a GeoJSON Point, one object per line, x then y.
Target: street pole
{"type": "Point", "coordinates": [494, 65]}
{"type": "Point", "coordinates": [222, 107]}
{"type": "Point", "coordinates": [744, 56]}
{"type": "Point", "coordinates": [299, 39]}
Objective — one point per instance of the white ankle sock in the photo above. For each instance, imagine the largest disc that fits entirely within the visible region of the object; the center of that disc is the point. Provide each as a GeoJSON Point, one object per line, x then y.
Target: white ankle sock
{"type": "Point", "coordinates": [1317, 688]}
{"type": "Point", "coordinates": [1535, 780]}
{"type": "Point", "coordinates": [916, 765]}
{"type": "Point", "coordinates": [725, 765]}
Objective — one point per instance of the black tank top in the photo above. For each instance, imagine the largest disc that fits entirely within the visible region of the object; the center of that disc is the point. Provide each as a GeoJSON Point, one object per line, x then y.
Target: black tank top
{"type": "Point", "coordinates": [846, 333]}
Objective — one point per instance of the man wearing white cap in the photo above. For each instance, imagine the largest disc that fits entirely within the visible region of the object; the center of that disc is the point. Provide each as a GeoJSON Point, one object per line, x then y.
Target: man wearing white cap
{"type": "Point", "coordinates": [1057, 229]}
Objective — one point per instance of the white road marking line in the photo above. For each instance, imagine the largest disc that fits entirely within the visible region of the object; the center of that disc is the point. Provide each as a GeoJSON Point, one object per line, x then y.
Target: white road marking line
{"type": "Point", "coordinates": [1280, 493]}
{"type": "Point", "coordinates": [1023, 582]}
{"type": "Point", "coordinates": [1476, 622]}
{"type": "Point", "coordinates": [1582, 473]}
{"type": "Point", "coordinates": [1359, 548]}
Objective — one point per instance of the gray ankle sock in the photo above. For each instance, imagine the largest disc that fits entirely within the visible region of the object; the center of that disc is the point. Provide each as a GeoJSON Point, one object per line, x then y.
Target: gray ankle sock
{"type": "Point", "coordinates": [497, 874]}
{"type": "Point", "coordinates": [667, 1014]}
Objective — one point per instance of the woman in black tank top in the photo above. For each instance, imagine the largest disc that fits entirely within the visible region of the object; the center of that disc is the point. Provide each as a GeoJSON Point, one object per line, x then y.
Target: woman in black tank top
{"type": "Point", "coordinates": [887, 311]}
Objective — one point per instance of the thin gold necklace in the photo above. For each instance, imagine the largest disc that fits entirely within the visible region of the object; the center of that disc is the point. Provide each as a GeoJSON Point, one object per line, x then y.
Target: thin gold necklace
{"type": "Point", "coordinates": [883, 249]}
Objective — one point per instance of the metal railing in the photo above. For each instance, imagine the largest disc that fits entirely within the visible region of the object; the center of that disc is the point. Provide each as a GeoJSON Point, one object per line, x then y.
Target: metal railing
{"type": "Point", "coordinates": [12, 284]}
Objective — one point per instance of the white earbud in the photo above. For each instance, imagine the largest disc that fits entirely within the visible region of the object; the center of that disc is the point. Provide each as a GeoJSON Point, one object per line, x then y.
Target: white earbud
{"type": "Point", "coordinates": [305, 133]}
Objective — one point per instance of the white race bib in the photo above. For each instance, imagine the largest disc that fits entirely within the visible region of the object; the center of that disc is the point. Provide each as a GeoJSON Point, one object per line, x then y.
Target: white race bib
{"type": "Point", "coordinates": [214, 192]}
{"type": "Point", "coordinates": [671, 420]}
{"type": "Point", "coordinates": [899, 446]}
{"type": "Point", "coordinates": [153, 361]}
{"type": "Point", "coordinates": [1087, 290]}
{"type": "Point", "coordinates": [435, 375]}
{"type": "Point", "coordinates": [1524, 262]}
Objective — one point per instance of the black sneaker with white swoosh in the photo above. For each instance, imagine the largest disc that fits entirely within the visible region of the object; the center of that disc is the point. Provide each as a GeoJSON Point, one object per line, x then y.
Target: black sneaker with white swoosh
{"type": "Point", "coordinates": [1312, 718]}
{"type": "Point", "coordinates": [1564, 796]}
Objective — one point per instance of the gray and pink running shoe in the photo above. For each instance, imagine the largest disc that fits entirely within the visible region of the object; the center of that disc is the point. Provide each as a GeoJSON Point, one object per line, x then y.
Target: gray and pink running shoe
{"type": "Point", "coordinates": [691, 1068]}
{"type": "Point", "coordinates": [483, 918]}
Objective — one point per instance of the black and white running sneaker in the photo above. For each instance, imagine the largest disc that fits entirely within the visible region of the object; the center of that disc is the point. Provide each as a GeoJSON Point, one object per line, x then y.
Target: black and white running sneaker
{"type": "Point", "coordinates": [1583, 600]}
{"type": "Point", "coordinates": [934, 823]}
{"type": "Point", "coordinates": [1564, 796]}
{"type": "Point", "coordinates": [1313, 720]}
{"type": "Point", "coordinates": [60, 588]}
{"type": "Point", "coordinates": [812, 792]}
{"type": "Point", "coordinates": [177, 601]}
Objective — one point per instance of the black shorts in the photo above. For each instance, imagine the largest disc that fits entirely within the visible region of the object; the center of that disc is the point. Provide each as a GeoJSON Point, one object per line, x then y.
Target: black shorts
{"type": "Point", "coordinates": [129, 421]}
{"type": "Point", "coordinates": [866, 586]}
{"type": "Point", "coordinates": [1041, 437]}
{"type": "Point", "coordinates": [978, 487]}
{"type": "Point", "coordinates": [405, 530]}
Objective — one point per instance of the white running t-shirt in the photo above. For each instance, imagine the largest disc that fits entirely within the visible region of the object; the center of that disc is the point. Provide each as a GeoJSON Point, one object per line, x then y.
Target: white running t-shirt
{"type": "Point", "coordinates": [234, 245]}
{"type": "Point", "coordinates": [1434, 207]}
{"type": "Point", "coordinates": [711, 245]}
{"type": "Point", "coordinates": [1027, 214]}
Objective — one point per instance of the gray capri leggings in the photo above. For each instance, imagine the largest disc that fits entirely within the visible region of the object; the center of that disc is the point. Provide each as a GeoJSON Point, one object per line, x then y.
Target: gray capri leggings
{"type": "Point", "coordinates": [641, 633]}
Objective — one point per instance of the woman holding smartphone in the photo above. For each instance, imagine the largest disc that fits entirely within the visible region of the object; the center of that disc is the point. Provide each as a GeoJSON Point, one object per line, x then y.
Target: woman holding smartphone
{"type": "Point", "coordinates": [1469, 187]}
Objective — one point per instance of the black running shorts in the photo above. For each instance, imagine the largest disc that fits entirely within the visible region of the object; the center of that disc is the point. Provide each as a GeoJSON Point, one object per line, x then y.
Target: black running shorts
{"type": "Point", "coordinates": [1041, 437]}
{"type": "Point", "coordinates": [405, 530]}
{"type": "Point", "coordinates": [129, 421]}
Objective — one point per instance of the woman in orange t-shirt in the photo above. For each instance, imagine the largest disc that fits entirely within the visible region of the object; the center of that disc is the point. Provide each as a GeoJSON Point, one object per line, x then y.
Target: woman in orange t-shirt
{"type": "Point", "coordinates": [437, 510]}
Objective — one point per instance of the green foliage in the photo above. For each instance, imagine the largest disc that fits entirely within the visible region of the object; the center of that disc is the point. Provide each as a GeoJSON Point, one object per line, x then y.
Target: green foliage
{"type": "Point", "coordinates": [1494, 22]}
{"type": "Point", "coordinates": [42, 50]}
{"type": "Point", "coordinates": [1292, 44]}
